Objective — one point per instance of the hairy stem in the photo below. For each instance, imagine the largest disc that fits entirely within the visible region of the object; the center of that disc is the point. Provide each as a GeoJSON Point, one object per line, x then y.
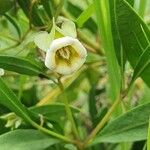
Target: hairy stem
{"type": "Point", "coordinates": [64, 138]}
{"type": "Point", "coordinates": [68, 110]}
{"type": "Point", "coordinates": [102, 122]}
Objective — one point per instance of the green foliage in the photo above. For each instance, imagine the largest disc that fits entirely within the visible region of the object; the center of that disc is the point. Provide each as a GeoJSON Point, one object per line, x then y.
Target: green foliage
{"type": "Point", "coordinates": [131, 126]}
{"type": "Point", "coordinates": [103, 20]}
{"type": "Point", "coordinates": [104, 104]}
{"type": "Point", "coordinates": [53, 112]}
{"type": "Point", "coordinates": [5, 6]}
{"type": "Point", "coordinates": [9, 100]}
{"type": "Point", "coordinates": [20, 65]}
{"type": "Point", "coordinates": [85, 15]}
{"type": "Point", "coordinates": [15, 24]}
{"type": "Point", "coordinates": [26, 139]}
{"type": "Point", "coordinates": [134, 34]}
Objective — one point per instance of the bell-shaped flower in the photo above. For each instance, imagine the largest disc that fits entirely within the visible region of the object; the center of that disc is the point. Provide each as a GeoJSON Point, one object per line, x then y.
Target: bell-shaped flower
{"type": "Point", "coordinates": [65, 55]}
{"type": "Point", "coordinates": [64, 52]}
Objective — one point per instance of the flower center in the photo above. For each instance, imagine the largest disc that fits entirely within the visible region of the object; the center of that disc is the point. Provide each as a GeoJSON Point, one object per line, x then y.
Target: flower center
{"type": "Point", "coordinates": [64, 52]}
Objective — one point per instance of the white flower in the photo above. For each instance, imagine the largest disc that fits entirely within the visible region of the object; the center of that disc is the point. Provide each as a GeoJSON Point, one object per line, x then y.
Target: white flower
{"type": "Point", "coordinates": [65, 55]}
{"type": "Point", "coordinates": [2, 72]}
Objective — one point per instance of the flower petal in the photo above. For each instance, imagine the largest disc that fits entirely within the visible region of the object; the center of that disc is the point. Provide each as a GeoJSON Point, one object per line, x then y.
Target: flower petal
{"type": "Point", "coordinates": [80, 49]}
{"type": "Point", "coordinates": [61, 66]}
{"type": "Point", "coordinates": [2, 72]}
{"type": "Point", "coordinates": [60, 42]}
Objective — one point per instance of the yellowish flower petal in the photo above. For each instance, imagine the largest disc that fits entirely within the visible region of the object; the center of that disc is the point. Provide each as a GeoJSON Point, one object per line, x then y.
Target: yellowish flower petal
{"type": "Point", "coordinates": [65, 55]}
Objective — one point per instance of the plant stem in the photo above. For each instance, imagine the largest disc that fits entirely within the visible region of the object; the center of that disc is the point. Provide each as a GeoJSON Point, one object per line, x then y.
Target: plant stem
{"type": "Point", "coordinates": [59, 8]}
{"type": "Point", "coordinates": [102, 122]}
{"type": "Point", "coordinates": [68, 110]}
{"type": "Point", "coordinates": [34, 124]}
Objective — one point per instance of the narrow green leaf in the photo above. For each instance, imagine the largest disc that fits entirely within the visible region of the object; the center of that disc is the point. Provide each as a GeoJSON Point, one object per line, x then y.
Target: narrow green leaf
{"type": "Point", "coordinates": [120, 53]}
{"type": "Point", "coordinates": [14, 23]}
{"type": "Point", "coordinates": [85, 15]}
{"type": "Point", "coordinates": [20, 65]}
{"type": "Point", "coordinates": [47, 4]}
{"type": "Point", "coordinates": [76, 11]}
{"type": "Point", "coordinates": [92, 105]}
{"type": "Point", "coordinates": [116, 38]}
{"type": "Point", "coordinates": [28, 139]}
{"type": "Point", "coordinates": [131, 126]}
{"type": "Point", "coordinates": [35, 16]}
{"type": "Point", "coordinates": [9, 100]}
{"type": "Point", "coordinates": [134, 34]}
{"type": "Point", "coordinates": [142, 64]}
{"type": "Point", "coordinates": [104, 25]}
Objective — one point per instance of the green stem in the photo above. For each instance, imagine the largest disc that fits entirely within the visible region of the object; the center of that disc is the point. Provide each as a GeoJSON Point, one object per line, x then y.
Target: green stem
{"type": "Point", "coordinates": [68, 110]}
{"type": "Point", "coordinates": [59, 8]}
{"type": "Point", "coordinates": [102, 122]}
{"type": "Point", "coordinates": [50, 132]}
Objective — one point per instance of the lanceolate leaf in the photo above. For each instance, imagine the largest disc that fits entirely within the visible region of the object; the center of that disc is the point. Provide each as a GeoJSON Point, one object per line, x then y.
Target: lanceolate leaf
{"type": "Point", "coordinates": [104, 26]}
{"type": "Point", "coordinates": [9, 100]}
{"type": "Point", "coordinates": [142, 64]}
{"type": "Point", "coordinates": [131, 126]}
{"type": "Point", "coordinates": [92, 105]}
{"type": "Point", "coordinates": [26, 140]}
{"type": "Point", "coordinates": [20, 65]}
{"type": "Point", "coordinates": [34, 14]}
{"type": "Point", "coordinates": [116, 38]}
{"type": "Point", "coordinates": [85, 15]}
{"type": "Point", "coordinates": [14, 23]}
{"type": "Point", "coordinates": [134, 34]}
{"type": "Point", "coordinates": [76, 11]}
{"type": "Point", "coordinates": [48, 5]}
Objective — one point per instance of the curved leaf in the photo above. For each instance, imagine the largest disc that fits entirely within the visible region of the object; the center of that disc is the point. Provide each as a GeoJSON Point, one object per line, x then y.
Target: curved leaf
{"type": "Point", "coordinates": [9, 100]}
{"type": "Point", "coordinates": [14, 23]}
{"type": "Point", "coordinates": [76, 11]}
{"type": "Point", "coordinates": [26, 140]}
{"type": "Point", "coordinates": [142, 64]}
{"type": "Point", "coordinates": [85, 15]}
{"type": "Point", "coordinates": [131, 126]}
{"type": "Point", "coordinates": [20, 65]}
{"type": "Point", "coordinates": [134, 34]}
{"type": "Point", "coordinates": [35, 16]}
